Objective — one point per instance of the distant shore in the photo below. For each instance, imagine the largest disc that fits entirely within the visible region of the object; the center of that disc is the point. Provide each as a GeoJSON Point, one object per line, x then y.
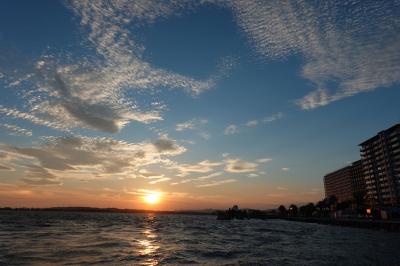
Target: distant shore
{"type": "Point", "coordinates": [110, 210]}
{"type": "Point", "coordinates": [386, 225]}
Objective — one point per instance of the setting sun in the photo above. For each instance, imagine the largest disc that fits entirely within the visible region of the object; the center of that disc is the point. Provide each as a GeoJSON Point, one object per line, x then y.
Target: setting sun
{"type": "Point", "coordinates": [152, 198]}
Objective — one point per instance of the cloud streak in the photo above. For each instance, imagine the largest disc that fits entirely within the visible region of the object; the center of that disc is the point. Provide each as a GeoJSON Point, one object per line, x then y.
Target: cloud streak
{"type": "Point", "coordinates": [66, 91]}
{"type": "Point", "coordinates": [218, 183]}
{"type": "Point", "coordinates": [348, 47]}
{"type": "Point", "coordinates": [16, 130]}
{"type": "Point", "coordinates": [77, 156]}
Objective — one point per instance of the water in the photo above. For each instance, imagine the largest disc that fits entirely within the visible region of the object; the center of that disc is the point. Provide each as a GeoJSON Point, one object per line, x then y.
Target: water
{"type": "Point", "coordinates": [59, 238]}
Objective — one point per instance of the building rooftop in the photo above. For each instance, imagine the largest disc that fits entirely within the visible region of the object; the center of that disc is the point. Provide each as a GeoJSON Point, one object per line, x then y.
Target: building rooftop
{"type": "Point", "coordinates": [376, 136]}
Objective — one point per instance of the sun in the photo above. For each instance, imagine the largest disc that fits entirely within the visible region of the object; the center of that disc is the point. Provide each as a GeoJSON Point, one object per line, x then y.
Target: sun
{"type": "Point", "coordinates": [152, 198]}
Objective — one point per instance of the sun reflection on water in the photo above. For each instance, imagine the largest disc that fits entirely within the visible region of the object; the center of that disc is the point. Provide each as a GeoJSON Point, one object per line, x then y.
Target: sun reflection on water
{"type": "Point", "coordinates": [148, 245]}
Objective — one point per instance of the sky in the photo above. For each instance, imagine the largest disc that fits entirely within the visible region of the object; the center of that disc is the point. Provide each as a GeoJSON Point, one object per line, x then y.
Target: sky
{"type": "Point", "coordinates": [202, 104]}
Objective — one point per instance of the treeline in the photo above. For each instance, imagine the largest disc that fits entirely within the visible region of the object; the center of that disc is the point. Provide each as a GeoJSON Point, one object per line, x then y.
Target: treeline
{"type": "Point", "coordinates": [325, 207]}
{"type": "Point", "coordinates": [105, 210]}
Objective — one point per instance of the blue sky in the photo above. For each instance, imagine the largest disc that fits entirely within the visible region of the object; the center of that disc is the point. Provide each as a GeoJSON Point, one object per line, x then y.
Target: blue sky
{"type": "Point", "coordinates": [205, 103]}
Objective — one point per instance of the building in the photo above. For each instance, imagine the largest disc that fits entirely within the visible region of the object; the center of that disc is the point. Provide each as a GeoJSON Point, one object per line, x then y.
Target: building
{"type": "Point", "coordinates": [381, 165]}
{"type": "Point", "coordinates": [343, 183]}
{"type": "Point", "coordinates": [358, 178]}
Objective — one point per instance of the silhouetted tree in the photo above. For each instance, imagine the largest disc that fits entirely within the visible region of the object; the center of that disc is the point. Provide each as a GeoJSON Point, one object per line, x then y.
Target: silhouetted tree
{"type": "Point", "coordinates": [307, 210]}
{"type": "Point", "coordinates": [341, 206]}
{"type": "Point", "coordinates": [282, 210]}
{"type": "Point", "coordinates": [293, 210]}
{"type": "Point", "coordinates": [331, 201]}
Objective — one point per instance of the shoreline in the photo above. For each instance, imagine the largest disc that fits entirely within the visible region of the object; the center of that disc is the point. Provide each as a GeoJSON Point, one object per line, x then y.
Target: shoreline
{"type": "Point", "coordinates": [385, 225]}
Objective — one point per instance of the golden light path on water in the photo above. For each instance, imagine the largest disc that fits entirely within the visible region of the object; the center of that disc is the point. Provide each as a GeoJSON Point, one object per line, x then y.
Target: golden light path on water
{"type": "Point", "coordinates": [148, 245]}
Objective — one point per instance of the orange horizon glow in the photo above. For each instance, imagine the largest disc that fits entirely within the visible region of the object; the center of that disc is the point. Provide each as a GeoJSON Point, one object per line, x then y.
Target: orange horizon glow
{"type": "Point", "coordinates": [152, 198]}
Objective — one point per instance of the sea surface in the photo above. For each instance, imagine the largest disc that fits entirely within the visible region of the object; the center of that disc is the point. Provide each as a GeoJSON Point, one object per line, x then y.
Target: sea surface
{"type": "Point", "coordinates": [79, 238]}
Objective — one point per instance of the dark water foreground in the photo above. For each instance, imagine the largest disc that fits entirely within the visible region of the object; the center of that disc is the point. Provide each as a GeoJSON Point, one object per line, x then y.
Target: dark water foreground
{"type": "Point", "coordinates": [68, 238]}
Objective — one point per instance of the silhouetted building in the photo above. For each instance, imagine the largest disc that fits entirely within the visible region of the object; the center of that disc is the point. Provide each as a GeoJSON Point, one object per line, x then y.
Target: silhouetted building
{"type": "Point", "coordinates": [358, 177]}
{"type": "Point", "coordinates": [381, 165]}
{"type": "Point", "coordinates": [343, 183]}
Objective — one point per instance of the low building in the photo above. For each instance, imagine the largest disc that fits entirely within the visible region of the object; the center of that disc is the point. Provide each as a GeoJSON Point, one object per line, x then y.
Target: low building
{"type": "Point", "coordinates": [343, 183]}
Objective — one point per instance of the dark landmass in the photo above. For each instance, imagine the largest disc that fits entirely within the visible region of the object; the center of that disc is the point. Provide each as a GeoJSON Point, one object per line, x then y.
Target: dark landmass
{"type": "Point", "coordinates": [111, 210]}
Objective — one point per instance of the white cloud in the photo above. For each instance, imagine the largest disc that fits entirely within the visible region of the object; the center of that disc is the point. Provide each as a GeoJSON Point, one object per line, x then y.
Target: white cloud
{"type": "Point", "coordinates": [252, 123]}
{"type": "Point", "coordinates": [16, 130]}
{"type": "Point", "coordinates": [14, 113]}
{"type": "Point", "coordinates": [272, 118]}
{"type": "Point", "coordinates": [230, 130]}
{"type": "Point", "coordinates": [265, 120]}
{"type": "Point", "coordinates": [195, 124]}
{"type": "Point", "coordinates": [77, 157]}
{"type": "Point", "coordinates": [264, 160]}
{"type": "Point", "coordinates": [240, 166]}
{"type": "Point", "coordinates": [159, 180]}
{"type": "Point", "coordinates": [200, 167]}
{"type": "Point", "coordinates": [209, 176]}
{"type": "Point", "coordinates": [285, 169]}
{"type": "Point", "coordinates": [184, 126]}
{"type": "Point", "coordinates": [217, 183]}
{"type": "Point", "coordinates": [349, 47]}
{"type": "Point", "coordinates": [98, 91]}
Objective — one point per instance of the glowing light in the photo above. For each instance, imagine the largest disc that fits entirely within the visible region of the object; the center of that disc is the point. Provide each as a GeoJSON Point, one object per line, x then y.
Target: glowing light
{"type": "Point", "coordinates": [152, 198]}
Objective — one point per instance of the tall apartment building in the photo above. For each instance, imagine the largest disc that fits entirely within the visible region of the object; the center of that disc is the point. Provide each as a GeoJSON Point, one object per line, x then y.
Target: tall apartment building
{"type": "Point", "coordinates": [343, 183]}
{"type": "Point", "coordinates": [381, 165]}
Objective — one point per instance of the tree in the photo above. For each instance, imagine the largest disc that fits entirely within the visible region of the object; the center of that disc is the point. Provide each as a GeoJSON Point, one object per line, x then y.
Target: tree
{"type": "Point", "coordinates": [307, 210]}
{"type": "Point", "coordinates": [341, 206]}
{"type": "Point", "coordinates": [282, 210]}
{"type": "Point", "coordinates": [293, 210]}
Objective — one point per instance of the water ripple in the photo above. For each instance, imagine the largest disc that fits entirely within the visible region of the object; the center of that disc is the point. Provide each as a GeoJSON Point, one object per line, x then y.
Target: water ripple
{"type": "Point", "coordinates": [64, 238]}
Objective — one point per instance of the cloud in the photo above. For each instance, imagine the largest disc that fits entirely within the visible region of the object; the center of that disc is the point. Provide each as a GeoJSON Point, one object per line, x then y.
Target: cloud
{"type": "Point", "coordinates": [165, 145]}
{"type": "Point", "coordinates": [150, 175]}
{"type": "Point", "coordinates": [98, 92]}
{"type": "Point", "coordinates": [5, 168]}
{"type": "Point", "coordinates": [195, 124]}
{"type": "Point", "coordinates": [217, 183]}
{"type": "Point", "coordinates": [159, 180]}
{"type": "Point", "coordinates": [252, 123]}
{"type": "Point", "coordinates": [265, 120]}
{"type": "Point", "coordinates": [285, 169]}
{"type": "Point", "coordinates": [200, 167]}
{"type": "Point", "coordinates": [209, 176]}
{"type": "Point", "coordinates": [272, 118]}
{"type": "Point", "coordinates": [264, 160]}
{"type": "Point", "coordinates": [16, 130]}
{"type": "Point", "coordinates": [240, 166]}
{"type": "Point", "coordinates": [11, 112]}
{"type": "Point", "coordinates": [348, 47]}
{"type": "Point", "coordinates": [185, 126]}
{"type": "Point", "coordinates": [231, 129]}
{"type": "Point", "coordinates": [38, 176]}
{"type": "Point", "coordinates": [253, 175]}
{"type": "Point", "coordinates": [85, 157]}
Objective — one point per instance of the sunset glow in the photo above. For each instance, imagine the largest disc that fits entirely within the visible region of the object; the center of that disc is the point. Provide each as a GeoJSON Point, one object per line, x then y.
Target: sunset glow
{"type": "Point", "coordinates": [152, 198]}
{"type": "Point", "coordinates": [189, 104]}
